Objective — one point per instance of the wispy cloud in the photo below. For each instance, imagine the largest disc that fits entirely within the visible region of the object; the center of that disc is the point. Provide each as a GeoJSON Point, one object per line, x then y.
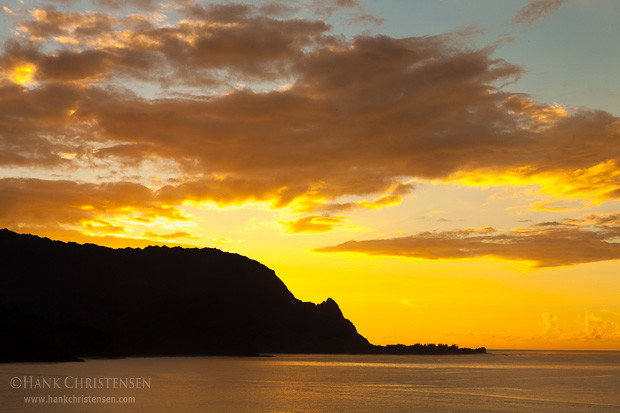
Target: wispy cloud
{"type": "Point", "coordinates": [537, 10]}
{"type": "Point", "coordinates": [329, 7]}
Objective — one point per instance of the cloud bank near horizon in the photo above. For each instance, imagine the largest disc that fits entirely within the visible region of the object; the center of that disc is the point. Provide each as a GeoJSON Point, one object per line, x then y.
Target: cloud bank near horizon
{"type": "Point", "coordinates": [547, 244]}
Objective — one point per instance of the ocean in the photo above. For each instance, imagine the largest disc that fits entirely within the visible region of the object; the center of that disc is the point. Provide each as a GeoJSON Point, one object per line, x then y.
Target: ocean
{"type": "Point", "coordinates": [499, 381]}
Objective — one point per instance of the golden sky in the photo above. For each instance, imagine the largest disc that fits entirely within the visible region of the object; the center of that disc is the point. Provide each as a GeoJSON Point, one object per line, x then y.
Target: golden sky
{"type": "Point", "coordinates": [406, 175]}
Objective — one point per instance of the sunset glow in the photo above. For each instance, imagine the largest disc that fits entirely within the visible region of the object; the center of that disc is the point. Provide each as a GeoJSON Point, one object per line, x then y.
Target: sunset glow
{"type": "Point", "coordinates": [453, 182]}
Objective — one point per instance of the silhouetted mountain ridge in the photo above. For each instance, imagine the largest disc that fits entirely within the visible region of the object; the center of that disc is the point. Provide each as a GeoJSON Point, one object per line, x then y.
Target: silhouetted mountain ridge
{"type": "Point", "coordinates": [61, 300]}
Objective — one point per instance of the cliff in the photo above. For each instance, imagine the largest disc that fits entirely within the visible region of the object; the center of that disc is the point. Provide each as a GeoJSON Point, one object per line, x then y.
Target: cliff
{"type": "Point", "coordinates": [58, 300]}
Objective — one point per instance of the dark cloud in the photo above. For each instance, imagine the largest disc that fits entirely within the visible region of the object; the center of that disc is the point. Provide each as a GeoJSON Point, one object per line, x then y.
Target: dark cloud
{"type": "Point", "coordinates": [70, 66]}
{"type": "Point", "coordinates": [547, 245]}
{"type": "Point", "coordinates": [232, 37]}
{"type": "Point", "coordinates": [258, 47]}
{"type": "Point", "coordinates": [35, 125]}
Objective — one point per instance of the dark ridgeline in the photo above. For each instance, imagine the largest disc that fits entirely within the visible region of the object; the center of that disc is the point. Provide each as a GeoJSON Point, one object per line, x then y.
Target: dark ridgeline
{"type": "Point", "coordinates": [60, 301]}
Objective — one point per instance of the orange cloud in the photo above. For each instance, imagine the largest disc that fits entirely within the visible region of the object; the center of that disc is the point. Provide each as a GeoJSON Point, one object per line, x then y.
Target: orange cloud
{"type": "Point", "coordinates": [545, 245]}
{"type": "Point", "coordinates": [94, 208]}
{"type": "Point", "coordinates": [393, 198]}
{"type": "Point", "coordinates": [50, 22]}
{"type": "Point", "coordinates": [101, 225]}
{"type": "Point", "coordinates": [312, 224]}
{"type": "Point", "coordinates": [173, 236]}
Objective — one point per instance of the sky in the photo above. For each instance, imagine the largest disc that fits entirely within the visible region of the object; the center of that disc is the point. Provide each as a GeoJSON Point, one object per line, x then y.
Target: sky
{"type": "Point", "coordinates": [446, 170]}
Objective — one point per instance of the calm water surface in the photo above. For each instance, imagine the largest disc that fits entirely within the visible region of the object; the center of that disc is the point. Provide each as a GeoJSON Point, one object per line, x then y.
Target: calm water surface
{"type": "Point", "coordinates": [519, 381]}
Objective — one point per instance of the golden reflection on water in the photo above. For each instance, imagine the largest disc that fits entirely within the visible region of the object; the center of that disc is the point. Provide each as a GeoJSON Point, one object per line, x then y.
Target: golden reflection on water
{"type": "Point", "coordinates": [499, 381]}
